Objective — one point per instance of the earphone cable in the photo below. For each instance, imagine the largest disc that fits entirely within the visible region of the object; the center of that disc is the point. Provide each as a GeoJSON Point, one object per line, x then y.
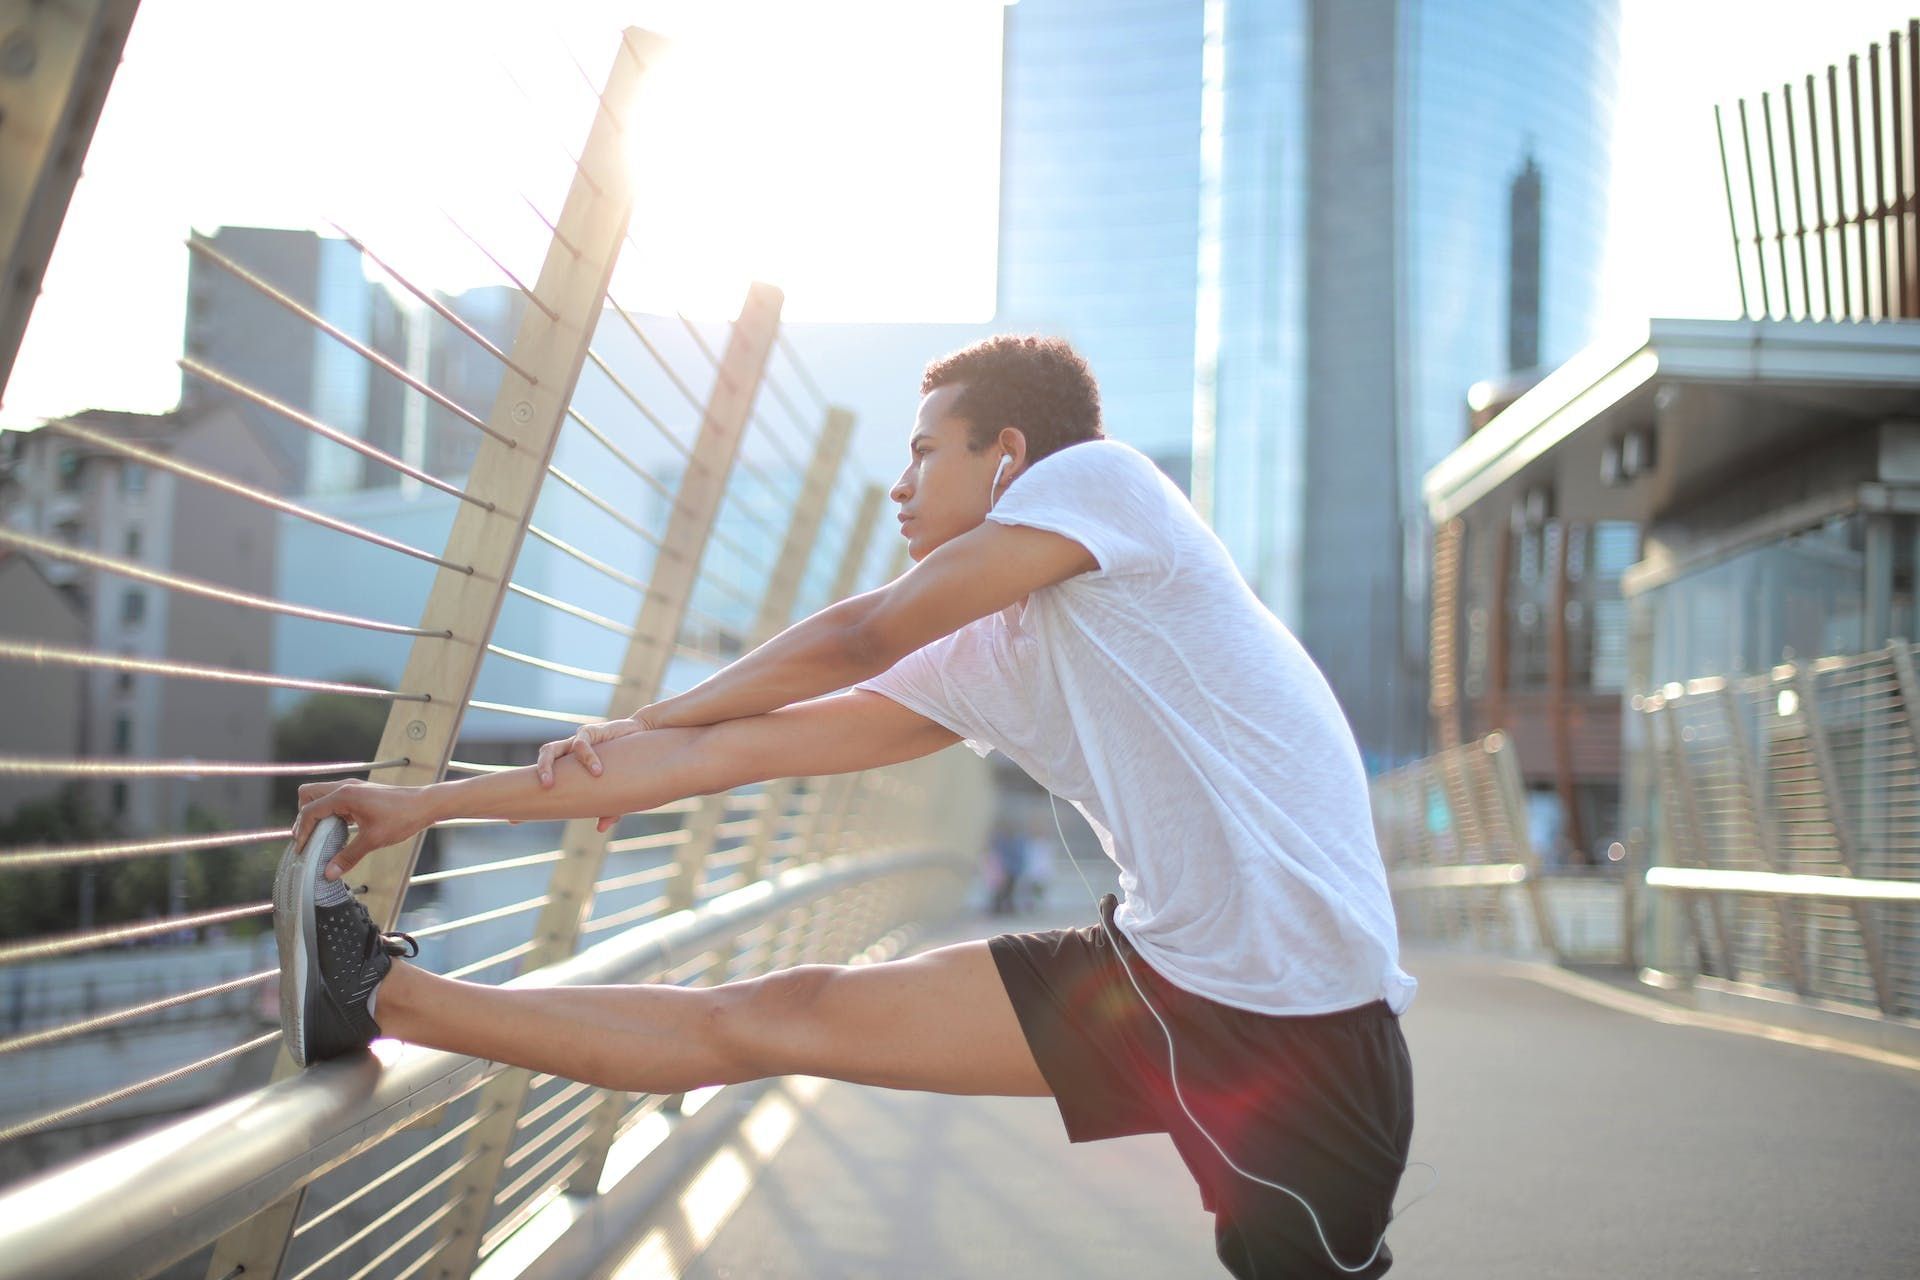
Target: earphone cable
{"type": "Point", "coordinates": [1173, 1075]}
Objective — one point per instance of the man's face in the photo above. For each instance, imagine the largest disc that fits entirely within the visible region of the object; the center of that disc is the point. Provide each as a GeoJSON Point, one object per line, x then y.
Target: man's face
{"type": "Point", "coordinates": [943, 491]}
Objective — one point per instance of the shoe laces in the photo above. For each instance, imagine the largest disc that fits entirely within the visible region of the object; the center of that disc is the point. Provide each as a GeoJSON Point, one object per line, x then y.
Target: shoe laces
{"type": "Point", "coordinates": [393, 942]}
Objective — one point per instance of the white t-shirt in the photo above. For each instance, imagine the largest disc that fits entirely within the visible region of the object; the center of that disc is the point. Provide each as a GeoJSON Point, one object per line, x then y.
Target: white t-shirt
{"type": "Point", "coordinates": [1159, 696]}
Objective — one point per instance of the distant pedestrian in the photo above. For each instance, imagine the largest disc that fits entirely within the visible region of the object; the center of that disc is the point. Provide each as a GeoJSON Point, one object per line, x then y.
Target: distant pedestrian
{"type": "Point", "coordinates": [1010, 858]}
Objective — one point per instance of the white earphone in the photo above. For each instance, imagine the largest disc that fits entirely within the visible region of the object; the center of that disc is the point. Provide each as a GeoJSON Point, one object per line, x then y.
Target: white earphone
{"type": "Point", "coordinates": [993, 490]}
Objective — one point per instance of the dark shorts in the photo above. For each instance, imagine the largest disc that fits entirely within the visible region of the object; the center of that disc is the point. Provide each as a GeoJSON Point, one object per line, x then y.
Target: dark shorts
{"type": "Point", "coordinates": [1320, 1103]}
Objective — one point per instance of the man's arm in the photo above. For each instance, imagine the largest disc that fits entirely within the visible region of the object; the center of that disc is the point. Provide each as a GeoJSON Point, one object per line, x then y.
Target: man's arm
{"type": "Point", "coordinates": [840, 734]}
{"type": "Point", "coordinates": [975, 574]}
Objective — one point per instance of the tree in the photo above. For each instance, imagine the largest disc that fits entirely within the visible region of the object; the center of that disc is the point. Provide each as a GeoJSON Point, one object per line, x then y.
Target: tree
{"type": "Point", "coordinates": [45, 899]}
{"type": "Point", "coordinates": [326, 726]}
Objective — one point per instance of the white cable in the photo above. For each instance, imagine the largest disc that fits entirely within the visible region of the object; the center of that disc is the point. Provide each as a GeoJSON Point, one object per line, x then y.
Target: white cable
{"type": "Point", "coordinates": [1173, 1074]}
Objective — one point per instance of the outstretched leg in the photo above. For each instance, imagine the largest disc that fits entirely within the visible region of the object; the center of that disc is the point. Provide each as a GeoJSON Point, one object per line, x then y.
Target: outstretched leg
{"type": "Point", "coordinates": [940, 1021]}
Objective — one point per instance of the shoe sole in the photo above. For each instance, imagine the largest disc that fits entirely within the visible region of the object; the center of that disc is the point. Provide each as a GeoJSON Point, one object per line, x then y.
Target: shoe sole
{"type": "Point", "coordinates": [293, 888]}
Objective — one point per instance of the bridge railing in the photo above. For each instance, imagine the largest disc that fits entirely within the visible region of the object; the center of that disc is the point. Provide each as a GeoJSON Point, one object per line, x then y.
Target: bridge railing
{"type": "Point", "coordinates": [1785, 829]}
{"type": "Point", "coordinates": [691, 520]}
{"type": "Point", "coordinates": [1453, 833]}
{"type": "Point", "coordinates": [1776, 839]}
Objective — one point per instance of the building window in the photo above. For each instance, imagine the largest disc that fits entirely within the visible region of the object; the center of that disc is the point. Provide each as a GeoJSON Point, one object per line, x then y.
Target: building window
{"type": "Point", "coordinates": [133, 608]}
{"type": "Point", "coordinates": [133, 544]}
{"type": "Point", "coordinates": [119, 799]}
{"type": "Point", "coordinates": [122, 735]}
{"type": "Point", "coordinates": [69, 470]}
{"type": "Point", "coordinates": [133, 478]}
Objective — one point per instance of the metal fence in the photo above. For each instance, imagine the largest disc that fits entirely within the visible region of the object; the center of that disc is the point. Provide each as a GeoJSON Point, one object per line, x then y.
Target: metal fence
{"type": "Point", "coordinates": [1781, 844]}
{"type": "Point", "coordinates": [1787, 829]}
{"type": "Point", "coordinates": [428, 1164]}
{"type": "Point", "coordinates": [1452, 830]}
{"type": "Point", "coordinates": [1842, 223]}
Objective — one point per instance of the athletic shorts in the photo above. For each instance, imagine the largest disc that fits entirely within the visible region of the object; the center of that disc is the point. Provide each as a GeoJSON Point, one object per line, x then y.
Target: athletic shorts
{"type": "Point", "coordinates": [1319, 1103]}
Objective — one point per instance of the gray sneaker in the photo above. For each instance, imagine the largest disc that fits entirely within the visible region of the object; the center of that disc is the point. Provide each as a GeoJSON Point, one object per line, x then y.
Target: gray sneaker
{"type": "Point", "coordinates": [332, 957]}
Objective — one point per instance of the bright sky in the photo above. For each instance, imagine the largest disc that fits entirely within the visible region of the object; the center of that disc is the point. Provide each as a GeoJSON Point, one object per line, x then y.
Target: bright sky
{"type": "Point", "coordinates": [847, 150]}
{"type": "Point", "coordinates": [1670, 252]}
{"type": "Point", "coordinates": [844, 149]}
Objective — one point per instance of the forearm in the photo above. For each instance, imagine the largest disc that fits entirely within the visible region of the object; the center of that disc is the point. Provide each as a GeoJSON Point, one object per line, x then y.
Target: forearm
{"type": "Point", "coordinates": [639, 772]}
{"type": "Point", "coordinates": [818, 655]}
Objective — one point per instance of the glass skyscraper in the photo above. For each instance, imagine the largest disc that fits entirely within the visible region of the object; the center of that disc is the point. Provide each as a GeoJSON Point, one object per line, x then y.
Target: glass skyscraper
{"type": "Point", "coordinates": [1282, 231]}
{"type": "Point", "coordinates": [1100, 207]}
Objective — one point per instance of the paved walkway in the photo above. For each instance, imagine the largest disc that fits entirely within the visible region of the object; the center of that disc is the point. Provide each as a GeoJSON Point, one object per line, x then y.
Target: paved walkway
{"type": "Point", "coordinates": [1572, 1139]}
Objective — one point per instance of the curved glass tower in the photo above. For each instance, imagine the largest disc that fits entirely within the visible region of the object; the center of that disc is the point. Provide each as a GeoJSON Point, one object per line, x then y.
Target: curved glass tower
{"type": "Point", "coordinates": [1289, 235]}
{"type": "Point", "coordinates": [1100, 173]}
{"type": "Point", "coordinates": [1456, 169]}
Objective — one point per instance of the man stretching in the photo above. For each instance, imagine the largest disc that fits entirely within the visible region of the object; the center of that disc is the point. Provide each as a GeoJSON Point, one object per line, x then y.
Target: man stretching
{"type": "Point", "coordinates": [1068, 607]}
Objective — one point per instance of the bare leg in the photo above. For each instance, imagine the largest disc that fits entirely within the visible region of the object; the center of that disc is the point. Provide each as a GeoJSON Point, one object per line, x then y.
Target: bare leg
{"type": "Point", "coordinates": [939, 1021]}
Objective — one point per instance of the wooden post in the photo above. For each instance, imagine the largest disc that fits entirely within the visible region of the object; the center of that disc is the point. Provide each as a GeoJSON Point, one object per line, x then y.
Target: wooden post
{"type": "Point", "coordinates": [1444, 657]}
{"type": "Point", "coordinates": [461, 607]}
{"type": "Point", "coordinates": [776, 607]}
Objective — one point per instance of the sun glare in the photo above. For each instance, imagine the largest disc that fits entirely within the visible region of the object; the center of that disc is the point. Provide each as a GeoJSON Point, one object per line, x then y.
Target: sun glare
{"type": "Point", "coordinates": [846, 152]}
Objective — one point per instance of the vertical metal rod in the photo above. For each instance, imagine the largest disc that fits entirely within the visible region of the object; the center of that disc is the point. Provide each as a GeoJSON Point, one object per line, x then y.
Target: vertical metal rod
{"type": "Point", "coordinates": [1779, 223]}
{"type": "Point", "coordinates": [1900, 202]}
{"type": "Point", "coordinates": [1733, 222]}
{"type": "Point", "coordinates": [1559, 664]}
{"type": "Point", "coordinates": [1819, 199]}
{"type": "Point", "coordinates": [1860, 190]}
{"type": "Point", "coordinates": [1839, 191]}
{"type": "Point", "coordinates": [1876, 614]}
{"type": "Point", "coordinates": [1879, 182]}
{"type": "Point", "coordinates": [1913, 156]}
{"type": "Point", "coordinates": [1753, 200]}
{"type": "Point", "coordinates": [1799, 212]}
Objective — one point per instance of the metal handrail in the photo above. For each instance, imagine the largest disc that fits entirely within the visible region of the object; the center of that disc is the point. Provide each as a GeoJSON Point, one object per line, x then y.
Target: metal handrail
{"type": "Point", "coordinates": [146, 1202]}
{"type": "Point", "coordinates": [1776, 884]}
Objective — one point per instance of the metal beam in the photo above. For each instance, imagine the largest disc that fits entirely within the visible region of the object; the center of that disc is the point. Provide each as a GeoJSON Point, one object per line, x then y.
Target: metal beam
{"type": "Point", "coordinates": [57, 62]}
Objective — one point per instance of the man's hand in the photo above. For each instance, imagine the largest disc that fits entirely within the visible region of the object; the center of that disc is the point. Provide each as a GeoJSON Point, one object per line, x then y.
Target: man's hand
{"type": "Point", "coordinates": [381, 815]}
{"type": "Point", "coordinates": [581, 747]}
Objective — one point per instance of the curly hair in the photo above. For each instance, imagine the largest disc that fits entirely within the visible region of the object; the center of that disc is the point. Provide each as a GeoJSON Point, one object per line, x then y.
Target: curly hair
{"type": "Point", "coordinates": [1041, 386]}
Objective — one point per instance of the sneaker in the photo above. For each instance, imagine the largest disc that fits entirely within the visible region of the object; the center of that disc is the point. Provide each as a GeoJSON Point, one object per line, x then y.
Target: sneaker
{"type": "Point", "coordinates": [331, 955]}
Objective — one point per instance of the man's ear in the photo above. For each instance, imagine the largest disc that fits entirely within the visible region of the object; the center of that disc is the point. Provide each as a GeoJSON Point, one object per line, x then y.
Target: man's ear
{"type": "Point", "coordinates": [1013, 443]}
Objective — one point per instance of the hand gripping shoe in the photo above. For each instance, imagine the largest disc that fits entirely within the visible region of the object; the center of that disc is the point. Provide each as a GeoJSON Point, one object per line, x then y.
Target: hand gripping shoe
{"type": "Point", "coordinates": [331, 955]}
